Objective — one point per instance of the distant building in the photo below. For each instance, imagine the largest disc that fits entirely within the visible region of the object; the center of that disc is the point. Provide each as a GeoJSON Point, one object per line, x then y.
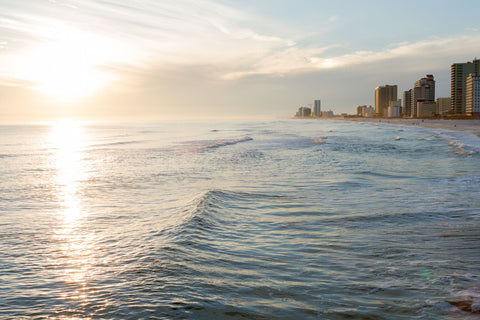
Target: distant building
{"type": "Point", "coordinates": [383, 96]}
{"type": "Point", "coordinates": [369, 112]}
{"type": "Point", "coordinates": [365, 111]}
{"type": "Point", "coordinates": [426, 109]}
{"type": "Point", "coordinates": [407, 103]}
{"type": "Point", "coordinates": [307, 112]}
{"type": "Point", "coordinates": [317, 108]}
{"type": "Point", "coordinates": [428, 83]}
{"type": "Point", "coordinates": [326, 114]}
{"type": "Point", "coordinates": [443, 105]}
{"type": "Point", "coordinates": [303, 112]}
{"type": "Point", "coordinates": [423, 91]}
{"type": "Point", "coordinates": [472, 107]}
{"type": "Point", "coordinates": [459, 74]}
{"type": "Point", "coordinates": [394, 109]}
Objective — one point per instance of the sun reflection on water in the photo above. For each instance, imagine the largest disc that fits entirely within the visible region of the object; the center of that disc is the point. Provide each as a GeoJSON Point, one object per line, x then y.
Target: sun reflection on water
{"type": "Point", "coordinates": [68, 140]}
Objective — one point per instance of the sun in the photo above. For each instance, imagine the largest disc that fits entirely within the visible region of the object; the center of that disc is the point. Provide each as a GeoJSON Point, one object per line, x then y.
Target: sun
{"type": "Point", "coordinates": [68, 66]}
{"type": "Point", "coordinates": [63, 72]}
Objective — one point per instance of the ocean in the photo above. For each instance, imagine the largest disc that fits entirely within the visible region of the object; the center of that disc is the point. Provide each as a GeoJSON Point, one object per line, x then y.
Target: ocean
{"type": "Point", "coordinates": [286, 219]}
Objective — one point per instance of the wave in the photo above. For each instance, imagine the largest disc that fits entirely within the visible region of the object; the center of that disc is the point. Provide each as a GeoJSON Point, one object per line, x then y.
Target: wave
{"type": "Point", "coordinates": [213, 144]}
{"type": "Point", "coordinates": [199, 215]}
{"type": "Point", "coordinates": [464, 142]}
{"type": "Point", "coordinates": [385, 175]}
{"type": "Point", "coordinates": [219, 209]}
{"type": "Point", "coordinates": [465, 148]}
{"type": "Point", "coordinates": [118, 143]}
{"type": "Point", "coordinates": [7, 156]}
{"type": "Point", "coordinates": [227, 142]}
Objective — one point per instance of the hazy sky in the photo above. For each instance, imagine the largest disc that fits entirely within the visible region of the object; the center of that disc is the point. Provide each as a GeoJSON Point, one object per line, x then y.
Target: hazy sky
{"type": "Point", "coordinates": [183, 59]}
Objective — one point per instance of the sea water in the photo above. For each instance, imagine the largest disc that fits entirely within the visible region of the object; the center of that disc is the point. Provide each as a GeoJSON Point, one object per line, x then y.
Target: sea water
{"type": "Point", "coordinates": [290, 219]}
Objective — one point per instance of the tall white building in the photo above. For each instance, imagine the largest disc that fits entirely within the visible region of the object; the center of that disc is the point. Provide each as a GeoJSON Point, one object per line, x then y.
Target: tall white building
{"type": "Point", "coordinates": [317, 108]}
{"type": "Point", "coordinates": [473, 95]}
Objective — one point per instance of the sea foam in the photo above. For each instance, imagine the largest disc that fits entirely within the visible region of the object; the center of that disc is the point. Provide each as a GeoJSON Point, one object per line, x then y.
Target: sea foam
{"type": "Point", "coordinates": [464, 142]}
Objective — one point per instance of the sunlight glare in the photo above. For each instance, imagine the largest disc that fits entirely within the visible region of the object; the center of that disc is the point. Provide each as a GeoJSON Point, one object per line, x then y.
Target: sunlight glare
{"type": "Point", "coordinates": [68, 141]}
{"type": "Point", "coordinates": [68, 66]}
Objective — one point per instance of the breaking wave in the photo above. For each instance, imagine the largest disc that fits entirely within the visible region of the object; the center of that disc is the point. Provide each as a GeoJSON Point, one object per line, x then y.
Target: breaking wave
{"type": "Point", "coordinates": [464, 142]}
{"type": "Point", "coordinates": [227, 142]}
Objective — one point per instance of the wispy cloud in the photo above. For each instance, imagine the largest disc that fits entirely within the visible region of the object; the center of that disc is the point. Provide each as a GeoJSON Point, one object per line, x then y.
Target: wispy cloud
{"type": "Point", "coordinates": [427, 53]}
{"type": "Point", "coordinates": [189, 32]}
{"type": "Point", "coordinates": [139, 33]}
{"type": "Point", "coordinates": [434, 53]}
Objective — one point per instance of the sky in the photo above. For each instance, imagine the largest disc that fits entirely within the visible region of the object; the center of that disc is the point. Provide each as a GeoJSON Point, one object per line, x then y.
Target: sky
{"type": "Point", "coordinates": [208, 59]}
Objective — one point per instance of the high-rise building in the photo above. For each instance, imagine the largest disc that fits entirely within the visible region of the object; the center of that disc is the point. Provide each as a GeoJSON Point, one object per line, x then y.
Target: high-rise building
{"type": "Point", "coordinates": [417, 96]}
{"type": "Point", "coordinates": [472, 107]}
{"type": "Point", "coordinates": [383, 96]}
{"type": "Point", "coordinates": [428, 83]}
{"type": "Point", "coordinates": [444, 105]}
{"type": "Point", "coordinates": [316, 108]}
{"type": "Point", "coordinates": [423, 91]}
{"type": "Point", "coordinates": [407, 102]}
{"type": "Point", "coordinates": [304, 112]}
{"type": "Point", "coordinates": [359, 111]}
{"type": "Point", "coordinates": [459, 74]}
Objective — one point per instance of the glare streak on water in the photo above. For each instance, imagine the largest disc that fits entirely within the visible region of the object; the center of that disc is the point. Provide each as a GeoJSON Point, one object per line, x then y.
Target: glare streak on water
{"type": "Point", "coordinates": [235, 220]}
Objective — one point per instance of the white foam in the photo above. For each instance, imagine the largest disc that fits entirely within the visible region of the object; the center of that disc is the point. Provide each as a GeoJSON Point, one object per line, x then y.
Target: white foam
{"type": "Point", "coordinates": [464, 142]}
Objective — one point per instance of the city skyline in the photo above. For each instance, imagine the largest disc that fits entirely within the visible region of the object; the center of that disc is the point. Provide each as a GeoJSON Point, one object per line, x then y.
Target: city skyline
{"type": "Point", "coordinates": [420, 101]}
{"type": "Point", "coordinates": [219, 59]}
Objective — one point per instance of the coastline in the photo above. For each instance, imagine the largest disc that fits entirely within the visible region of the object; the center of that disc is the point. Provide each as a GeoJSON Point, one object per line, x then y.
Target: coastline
{"type": "Point", "coordinates": [472, 126]}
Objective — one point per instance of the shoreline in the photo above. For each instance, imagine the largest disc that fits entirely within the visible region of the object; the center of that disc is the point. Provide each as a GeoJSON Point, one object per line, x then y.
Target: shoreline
{"type": "Point", "coordinates": [472, 126]}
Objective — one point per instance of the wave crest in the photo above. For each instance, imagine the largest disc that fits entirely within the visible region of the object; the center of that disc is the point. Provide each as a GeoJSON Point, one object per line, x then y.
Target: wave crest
{"type": "Point", "coordinates": [227, 142]}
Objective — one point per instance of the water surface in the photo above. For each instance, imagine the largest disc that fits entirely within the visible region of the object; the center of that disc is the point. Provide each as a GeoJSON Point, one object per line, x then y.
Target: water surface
{"type": "Point", "coordinates": [239, 220]}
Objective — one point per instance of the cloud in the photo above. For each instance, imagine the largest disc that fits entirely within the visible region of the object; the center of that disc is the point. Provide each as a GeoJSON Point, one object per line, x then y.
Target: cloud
{"type": "Point", "coordinates": [155, 51]}
{"type": "Point", "coordinates": [429, 50]}
{"type": "Point", "coordinates": [280, 62]}
{"type": "Point", "coordinates": [137, 33]}
{"type": "Point", "coordinates": [196, 32]}
{"type": "Point", "coordinates": [435, 53]}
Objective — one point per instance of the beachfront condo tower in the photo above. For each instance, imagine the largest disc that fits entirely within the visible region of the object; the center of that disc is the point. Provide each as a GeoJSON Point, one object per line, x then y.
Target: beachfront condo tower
{"type": "Point", "coordinates": [459, 75]}
{"type": "Point", "coordinates": [316, 108]}
{"type": "Point", "coordinates": [383, 96]}
{"type": "Point", "coordinates": [473, 95]}
{"type": "Point", "coordinates": [407, 103]}
{"type": "Point", "coordinates": [423, 91]}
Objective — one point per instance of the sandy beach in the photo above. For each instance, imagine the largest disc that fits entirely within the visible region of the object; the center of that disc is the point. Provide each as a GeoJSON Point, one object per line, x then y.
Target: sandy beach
{"type": "Point", "coordinates": [464, 125]}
